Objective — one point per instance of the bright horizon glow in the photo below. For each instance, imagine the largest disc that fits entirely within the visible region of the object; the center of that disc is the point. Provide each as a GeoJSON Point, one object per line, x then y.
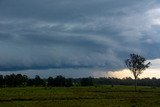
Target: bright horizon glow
{"type": "Point", "coordinates": [149, 73]}
{"type": "Point", "coordinates": [152, 71]}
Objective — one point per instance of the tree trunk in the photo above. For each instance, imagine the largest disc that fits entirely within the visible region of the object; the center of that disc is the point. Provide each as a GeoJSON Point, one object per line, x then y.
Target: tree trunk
{"type": "Point", "coordinates": [135, 84]}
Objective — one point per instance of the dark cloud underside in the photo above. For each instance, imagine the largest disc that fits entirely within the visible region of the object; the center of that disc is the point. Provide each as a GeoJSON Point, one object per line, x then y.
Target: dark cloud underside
{"type": "Point", "coordinates": [42, 34]}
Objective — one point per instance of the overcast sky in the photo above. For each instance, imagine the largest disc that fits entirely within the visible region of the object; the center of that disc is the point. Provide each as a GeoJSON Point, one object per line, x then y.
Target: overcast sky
{"type": "Point", "coordinates": [46, 34]}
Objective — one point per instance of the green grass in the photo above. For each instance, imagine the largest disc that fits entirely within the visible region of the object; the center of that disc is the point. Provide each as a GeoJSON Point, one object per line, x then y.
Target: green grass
{"type": "Point", "coordinates": [100, 96]}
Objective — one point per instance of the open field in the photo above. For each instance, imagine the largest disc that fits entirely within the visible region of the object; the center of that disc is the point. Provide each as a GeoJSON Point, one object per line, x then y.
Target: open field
{"type": "Point", "coordinates": [100, 96]}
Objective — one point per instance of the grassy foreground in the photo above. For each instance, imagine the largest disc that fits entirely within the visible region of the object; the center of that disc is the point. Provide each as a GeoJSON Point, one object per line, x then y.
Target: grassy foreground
{"type": "Point", "coordinates": [100, 96]}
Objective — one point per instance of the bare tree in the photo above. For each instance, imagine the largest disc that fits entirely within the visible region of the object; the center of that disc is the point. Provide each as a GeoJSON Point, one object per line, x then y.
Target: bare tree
{"type": "Point", "coordinates": [136, 64]}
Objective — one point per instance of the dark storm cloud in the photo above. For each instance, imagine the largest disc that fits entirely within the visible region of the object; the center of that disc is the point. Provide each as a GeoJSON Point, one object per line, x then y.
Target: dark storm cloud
{"type": "Point", "coordinates": [41, 34]}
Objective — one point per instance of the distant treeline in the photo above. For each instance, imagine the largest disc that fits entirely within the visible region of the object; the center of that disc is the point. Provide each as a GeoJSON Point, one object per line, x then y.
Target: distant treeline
{"type": "Point", "coordinates": [18, 80]}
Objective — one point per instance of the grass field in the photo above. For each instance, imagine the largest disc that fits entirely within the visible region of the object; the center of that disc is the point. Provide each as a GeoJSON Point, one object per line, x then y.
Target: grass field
{"type": "Point", "coordinates": [100, 96]}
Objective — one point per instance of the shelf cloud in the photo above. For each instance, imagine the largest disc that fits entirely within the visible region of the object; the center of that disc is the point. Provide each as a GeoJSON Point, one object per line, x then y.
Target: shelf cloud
{"type": "Point", "coordinates": [44, 34]}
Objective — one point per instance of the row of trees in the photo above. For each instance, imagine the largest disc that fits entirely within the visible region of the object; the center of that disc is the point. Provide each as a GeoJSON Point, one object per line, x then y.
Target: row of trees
{"type": "Point", "coordinates": [60, 81]}
{"type": "Point", "coordinates": [13, 80]}
{"type": "Point", "coordinates": [153, 82]}
{"type": "Point", "coordinates": [22, 80]}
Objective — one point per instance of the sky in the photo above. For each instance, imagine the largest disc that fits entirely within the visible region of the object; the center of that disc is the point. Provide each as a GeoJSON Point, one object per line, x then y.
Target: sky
{"type": "Point", "coordinates": [77, 38]}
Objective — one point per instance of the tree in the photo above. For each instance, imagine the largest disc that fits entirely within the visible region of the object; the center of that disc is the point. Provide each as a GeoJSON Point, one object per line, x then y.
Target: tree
{"type": "Point", "coordinates": [50, 81]}
{"type": "Point", "coordinates": [136, 64]}
{"type": "Point", "coordinates": [30, 82]}
{"type": "Point", "coordinates": [59, 81]}
{"type": "Point", "coordinates": [69, 82]}
{"type": "Point", "coordinates": [10, 80]}
{"type": "Point", "coordinates": [38, 81]}
{"type": "Point", "coordinates": [87, 81]}
{"type": "Point", "coordinates": [18, 80]}
{"type": "Point", "coordinates": [1, 81]}
{"type": "Point", "coordinates": [24, 79]}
